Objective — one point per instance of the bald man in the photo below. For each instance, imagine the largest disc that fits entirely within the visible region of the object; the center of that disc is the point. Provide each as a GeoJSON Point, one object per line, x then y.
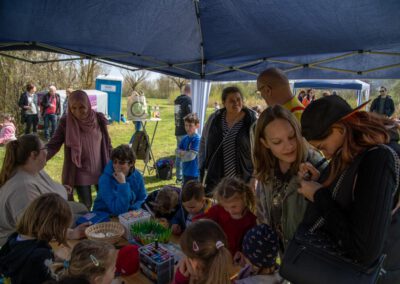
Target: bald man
{"type": "Point", "coordinates": [275, 90]}
{"type": "Point", "coordinates": [51, 109]}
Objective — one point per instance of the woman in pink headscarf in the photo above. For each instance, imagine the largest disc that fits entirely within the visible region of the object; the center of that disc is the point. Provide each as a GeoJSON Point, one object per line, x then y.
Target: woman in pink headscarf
{"type": "Point", "coordinates": [87, 145]}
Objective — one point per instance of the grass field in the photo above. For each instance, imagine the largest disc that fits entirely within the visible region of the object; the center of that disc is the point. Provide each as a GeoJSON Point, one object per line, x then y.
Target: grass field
{"type": "Point", "coordinates": [163, 146]}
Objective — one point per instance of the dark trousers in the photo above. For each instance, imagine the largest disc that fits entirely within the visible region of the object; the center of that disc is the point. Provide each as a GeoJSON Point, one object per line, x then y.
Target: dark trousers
{"type": "Point", "coordinates": [31, 120]}
{"type": "Point", "coordinates": [85, 194]}
{"type": "Point", "coordinates": [49, 119]}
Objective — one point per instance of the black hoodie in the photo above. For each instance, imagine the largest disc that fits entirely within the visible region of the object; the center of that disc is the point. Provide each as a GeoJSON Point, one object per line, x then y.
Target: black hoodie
{"type": "Point", "coordinates": [25, 261]}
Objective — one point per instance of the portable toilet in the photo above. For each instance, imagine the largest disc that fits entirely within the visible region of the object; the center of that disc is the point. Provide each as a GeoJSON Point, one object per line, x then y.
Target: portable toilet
{"type": "Point", "coordinates": [113, 87]}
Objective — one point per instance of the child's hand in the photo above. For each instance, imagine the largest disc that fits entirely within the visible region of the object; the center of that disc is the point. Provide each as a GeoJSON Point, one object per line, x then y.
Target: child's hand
{"type": "Point", "coordinates": [176, 229]}
{"type": "Point", "coordinates": [119, 177]}
{"type": "Point", "coordinates": [308, 172]}
{"type": "Point", "coordinates": [186, 269]}
{"type": "Point", "coordinates": [62, 253]}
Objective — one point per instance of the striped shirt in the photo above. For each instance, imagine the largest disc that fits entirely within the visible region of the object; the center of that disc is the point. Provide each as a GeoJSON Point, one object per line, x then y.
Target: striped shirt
{"type": "Point", "coordinates": [229, 147]}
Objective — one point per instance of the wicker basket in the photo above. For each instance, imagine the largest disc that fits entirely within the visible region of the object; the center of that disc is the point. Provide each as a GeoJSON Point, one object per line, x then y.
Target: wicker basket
{"type": "Point", "coordinates": [109, 232]}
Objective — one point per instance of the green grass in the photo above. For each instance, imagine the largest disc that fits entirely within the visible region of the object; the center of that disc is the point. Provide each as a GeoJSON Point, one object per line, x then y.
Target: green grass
{"type": "Point", "coordinates": [163, 146]}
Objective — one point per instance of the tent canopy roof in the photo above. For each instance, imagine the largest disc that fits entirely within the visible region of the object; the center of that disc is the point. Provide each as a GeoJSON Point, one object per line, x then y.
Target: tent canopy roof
{"type": "Point", "coordinates": [332, 84]}
{"type": "Point", "coordinates": [218, 40]}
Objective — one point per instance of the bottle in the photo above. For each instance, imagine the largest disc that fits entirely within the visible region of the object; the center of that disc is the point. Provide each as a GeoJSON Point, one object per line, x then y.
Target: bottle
{"type": "Point", "coordinates": [148, 111]}
{"type": "Point", "coordinates": [157, 115]}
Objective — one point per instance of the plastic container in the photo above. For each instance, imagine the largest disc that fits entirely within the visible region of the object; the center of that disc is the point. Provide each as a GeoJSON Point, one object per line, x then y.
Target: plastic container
{"type": "Point", "coordinates": [132, 217]}
{"type": "Point", "coordinates": [156, 263]}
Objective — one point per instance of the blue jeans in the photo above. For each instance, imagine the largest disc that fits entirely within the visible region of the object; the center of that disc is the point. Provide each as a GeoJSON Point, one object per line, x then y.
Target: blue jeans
{"type": "Point", "coordinates": [178, 162]}
{"type": "Point", "coordinates": [52, 119]}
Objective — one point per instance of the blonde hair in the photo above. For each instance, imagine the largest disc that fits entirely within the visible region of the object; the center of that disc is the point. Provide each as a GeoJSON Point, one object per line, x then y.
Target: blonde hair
{"type": "Point", "coordinates": [48, 217]}
{"type": "Point", "coordinates": [263, 159]}
{"type": "Point", "coordinates": [89, 259]}
{"type": "Point", "coordinates": [231, 186]}
{"type": "Point", "coordinates": [206, 242]}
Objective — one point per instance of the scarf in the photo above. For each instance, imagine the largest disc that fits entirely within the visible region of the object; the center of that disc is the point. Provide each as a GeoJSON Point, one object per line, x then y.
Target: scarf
{"type": "Point", "coordinates": [75, 126]}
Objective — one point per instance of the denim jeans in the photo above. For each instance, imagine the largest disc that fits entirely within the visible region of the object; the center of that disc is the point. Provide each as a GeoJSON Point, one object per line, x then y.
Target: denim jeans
{"type": "Point", "coordinates": [49, 119]}
{"type": "Point", "coordinates": [178, 162]}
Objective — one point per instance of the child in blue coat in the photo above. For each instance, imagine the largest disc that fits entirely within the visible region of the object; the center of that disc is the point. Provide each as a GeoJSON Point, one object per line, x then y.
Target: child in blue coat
{"type": "Point", "coordinates": [121, 186]}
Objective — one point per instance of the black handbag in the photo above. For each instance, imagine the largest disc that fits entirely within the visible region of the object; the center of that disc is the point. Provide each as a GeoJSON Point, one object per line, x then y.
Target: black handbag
{"type": "Point", "coordinates": [313, 258]}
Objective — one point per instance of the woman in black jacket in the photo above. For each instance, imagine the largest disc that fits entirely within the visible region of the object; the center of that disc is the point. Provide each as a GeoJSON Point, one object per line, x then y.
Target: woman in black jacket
{"type": "Point", "coordinates": [363, 216]}
{"type": "Point", "coordinates": [225, 143]}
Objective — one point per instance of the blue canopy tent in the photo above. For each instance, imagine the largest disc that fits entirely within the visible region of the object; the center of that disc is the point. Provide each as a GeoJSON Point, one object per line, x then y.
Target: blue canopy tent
{"type": "Point", "coordinates": [362, 89]}
{"type": "Point", "coordinates": [214, 40]}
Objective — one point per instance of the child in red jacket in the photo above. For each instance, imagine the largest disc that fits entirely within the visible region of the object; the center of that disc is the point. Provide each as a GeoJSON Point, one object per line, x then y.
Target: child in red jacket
{"type": "Point", "coordinates": [233, 211]}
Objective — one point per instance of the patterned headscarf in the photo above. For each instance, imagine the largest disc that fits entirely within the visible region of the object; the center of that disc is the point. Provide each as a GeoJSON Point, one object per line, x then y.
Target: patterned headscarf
{"type": "Point", "coordinates": [260, 246]}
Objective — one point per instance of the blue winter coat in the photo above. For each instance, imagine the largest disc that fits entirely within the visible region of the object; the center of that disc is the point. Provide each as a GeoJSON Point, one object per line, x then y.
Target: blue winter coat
{"type": "Point", "coordinates": [117, 198]}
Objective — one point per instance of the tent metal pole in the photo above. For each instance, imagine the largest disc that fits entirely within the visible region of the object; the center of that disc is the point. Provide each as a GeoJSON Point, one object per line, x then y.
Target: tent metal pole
{"type": "Point", "coordinates": [384, 53]}
{"type": "Point", "coordinates": [184, 69]}
{"type": "Point", "coordinates": [229, 69]}
{"type": "Point", "coordinates": [335, 69]}
{"type": "Point", "coordinates": [334, 58]}
{"type": "Point", "coordinates": [197, 10]}
{"type": "Point", "coordinates": [56, 60]}
{"type": "Point", "coordinates": [16, 57]}
{"type": "Point", "coordinates": [381, 68]}
{"type": "Point", "coordinates": [283, 62]}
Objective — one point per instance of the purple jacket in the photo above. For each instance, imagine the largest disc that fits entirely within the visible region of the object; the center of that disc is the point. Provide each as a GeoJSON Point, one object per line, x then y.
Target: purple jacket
{"type": "Point", "coordinates": [58, 139]}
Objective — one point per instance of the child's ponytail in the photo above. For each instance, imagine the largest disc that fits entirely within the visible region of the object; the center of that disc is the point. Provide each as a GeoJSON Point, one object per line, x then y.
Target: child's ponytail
{"type": "Point", "coordinates": [219, 268]}
{"type": "Point", "coordinates": [205, 242]}
{"type": "Point", "coordinates": [9, 162]}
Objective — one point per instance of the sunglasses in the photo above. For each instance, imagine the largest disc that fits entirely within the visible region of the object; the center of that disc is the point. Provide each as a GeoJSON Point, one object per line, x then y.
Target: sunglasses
{"type": "Point", "coordinates": [121, 163]}
{"type": "Point", "coordinates": [381, 91]}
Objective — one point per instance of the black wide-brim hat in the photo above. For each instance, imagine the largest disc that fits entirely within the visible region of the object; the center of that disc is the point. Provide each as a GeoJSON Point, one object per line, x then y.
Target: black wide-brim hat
{"type": "Point", "coordinates": [319, 115]}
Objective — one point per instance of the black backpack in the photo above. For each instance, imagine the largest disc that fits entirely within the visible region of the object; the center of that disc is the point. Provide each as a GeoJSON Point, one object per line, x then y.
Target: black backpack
{"type": "Point", "coordinates": [141, 146]}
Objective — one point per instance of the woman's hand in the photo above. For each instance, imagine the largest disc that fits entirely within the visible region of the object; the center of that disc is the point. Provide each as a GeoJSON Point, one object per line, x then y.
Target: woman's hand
{"type": "Point", "coordinates": [308, 189]}
{"type": "Point", "coordinates": [308, 172]}
{"type": "Point", "coordinates": [119, 177]}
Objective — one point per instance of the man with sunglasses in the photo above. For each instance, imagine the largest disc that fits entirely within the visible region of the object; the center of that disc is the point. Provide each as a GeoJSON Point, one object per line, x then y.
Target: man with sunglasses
{"type": "Point", "coordinates": [383, 104]}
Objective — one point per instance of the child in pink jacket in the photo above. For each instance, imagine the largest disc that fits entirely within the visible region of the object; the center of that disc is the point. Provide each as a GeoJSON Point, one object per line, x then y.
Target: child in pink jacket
{"type": "Point", "coordinates": [7, 132]}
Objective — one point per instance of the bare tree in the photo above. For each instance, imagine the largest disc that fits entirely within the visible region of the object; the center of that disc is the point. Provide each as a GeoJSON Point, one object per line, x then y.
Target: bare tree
{"type": "Point", "coordinates": [133, 79]}
{"type": "Point", "coordinates": [179, 82]}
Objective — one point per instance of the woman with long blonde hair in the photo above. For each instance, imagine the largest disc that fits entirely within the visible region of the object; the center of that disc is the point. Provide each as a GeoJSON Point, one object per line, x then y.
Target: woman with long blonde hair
{"type": "Point", "coordinates": [279, 150]}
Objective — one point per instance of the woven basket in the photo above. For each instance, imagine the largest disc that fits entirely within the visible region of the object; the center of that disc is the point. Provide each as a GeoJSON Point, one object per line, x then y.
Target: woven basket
{"type": "Point", "coordinates": [109, 232]}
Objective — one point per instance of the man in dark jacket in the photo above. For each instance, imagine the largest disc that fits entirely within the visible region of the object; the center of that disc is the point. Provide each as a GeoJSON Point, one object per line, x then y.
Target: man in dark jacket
{"type": "Point", "coordinates": [51, 109]}
{"type": "Point", "coordinates": [183, 106]}
{"type": "Point", "coordinates": [29, 108]}
{"type": "Point", "coordinates": [383, 104]}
